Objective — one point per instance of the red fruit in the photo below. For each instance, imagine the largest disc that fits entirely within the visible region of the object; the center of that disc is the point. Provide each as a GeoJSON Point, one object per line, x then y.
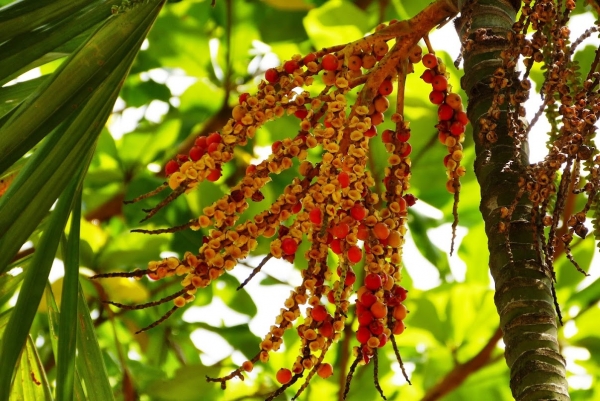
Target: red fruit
{"type": "Point", "coordinates": [271, 75]}
{"type": "Point", "coordinates": [215, 137]}
{"type": "Point", "coordinates": [315, 216]}
{"type": "Point", "coordinates": [427, 76]}
{"type": "Point", "coordinates": [237, 195]}
{"type": "Point", "coordinates": [336, 246]}
{"type": "Point", "coordinates": [251, 169]}
{"type": "Point", "coordinates": [201, 142]}
{"type": "Point", "coordinates": [406, 149]}
{"type": "Point", "coordinates": [329, 62]}
{"type": "Point", "coordinates": [344, 179]}
{"type": "Point", "coordinates": [368, 299]}
{"type": "Point", "coordinates": [381, 231]}
{"type": "Point", "coordinates": [410, 199]}
{"type": "Point", "coordinates": [454, 100]}
{"type": "Point", "coordinates": [182, 158]}
{"type": "Point", "coordinates": [326, 329]}
{"type": "Point", "coordinates": [290, 66]}
{"type": "Point", "coordinates": [386, 87]}
{"type": "Point", "coordinates": [275, 146]}
{"type": "Point", "coordinates": [439, 83]}
{"type": "Point", "coordinates": [214, 175]}
{"type": "Point", "coordinates": [403, 136]}
{"type": "Point", "coordinates": [400, 292]}
{"type": "Point", "coordinates": [284, 376]}
{"type": "Point", "coordinates": [350, 278]}
{"type": "Point", "coordinates": [196, 153]}
{"type": "Point", "coordinates": [358, 211]}
{"type": "Point", "coordinates": [382, 340]}
{"type": "Point", "coordinates": [373, 281]}
{"type": "Point", "coordinates": [212, 147]}
{"type": "Point", "coordinates": [297, 207]}
{"type": "Point", "coordinates": [325, 370]}
{"type": "Point", "coordinates": [436, 97]}
{"type": "Point", "coordinates": [362, 233]}
{"type": "Point", "coordinates": [289, 246]}
{"type": "Point", "coordinates": [461, 117]}
{"type": "Point", "coordinates": [457, 128]}
{"type": "Point", "coordinates": [319, 313]}
{"type": "Point", "coordinates": [354, 254]}
{"type": "Point", "coordinates": [445, 112]}
{"type": "Point", "coordinates": [365, 318]}
{"type": "Point", "coordinates": [429, 60]}
{"type": "Point", "coordinates": [243, 97]}
{"type": "Point", "coordinates": [171, 167]}
{"type": "Point", "coordinates": [387, 136]}
{"type": "Point", "coordinates": [341, 230]}
{"type": "Point", "coordinates": [371, 132]}
{"type": "Point", "coordinates": [376, 327]}
{"type": "Point", "coordinates": [309, 57]}
{"type": "Point", "coordinates": [301, 113]}
{"type": "Point", "coordinates": [363, 334]}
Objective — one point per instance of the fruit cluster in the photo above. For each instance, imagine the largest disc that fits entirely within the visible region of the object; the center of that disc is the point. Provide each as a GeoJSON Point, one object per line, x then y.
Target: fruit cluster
{"type": "Point", "coordinates": [335, 205]}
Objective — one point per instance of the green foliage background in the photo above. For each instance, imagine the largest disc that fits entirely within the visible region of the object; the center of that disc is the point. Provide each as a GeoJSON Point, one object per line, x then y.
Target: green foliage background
{"type": "Point", "coordinates": [218, 49]}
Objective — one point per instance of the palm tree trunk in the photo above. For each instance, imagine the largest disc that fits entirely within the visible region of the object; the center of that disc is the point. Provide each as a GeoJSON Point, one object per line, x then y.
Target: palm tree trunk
{"type": "Point", "coordinates": [523, 297]}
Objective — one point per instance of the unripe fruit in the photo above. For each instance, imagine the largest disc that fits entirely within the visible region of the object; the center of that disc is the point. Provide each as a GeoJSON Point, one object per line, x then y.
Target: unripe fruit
{"type": "Point", "coordinates": [325, 370]}
{"type": "Point", "coordinates": [329, 62]}
{"type": "Point", "coordinates": [395, 239]}
{"type": "Point", "coordinates": [398, 327]}
{"type": "Point", "coordinates": [415, 54]}
{"type": "Point", "coordinates": [386, 87]}
{"type": "Point", "coordinates": [377, 118]}
{"type": "Point", "coordinates": [354, 63]}
{"type": "Point", "coordinates": [354, 254]}
{"type": "Point", "coordinates": [400, 312]}
{"type": "Point", "coordinates": [381, 231]}
{"type": "Point", "coordinates": [248, 366]}
{"type": "Point", "coordinates": [429, 60]}
{"type": "Point", "coordinates": [289, 246]}
{"type": "Point", "coordinates": [445, 112]}
{"type": "Point", "coordinates": [368, 61]}
{"type": "Point", "coordinates": [271, 75]}
{"type": "Point", "coordinates": [454, 100]}
{"type": "Point", "coordinates": [436, 97]}
{"type": "Point", "coordinates": [319, 313]}
{"type": "Point", "coordinates": [439, 83]}
{"type": "Point", "coordinates": [381, 104]}
{"type": "Point", "coordinates": [379, 310]}
{"type": "Point", "coordinates": [284, 376]}
{"type": "Point", "coordinates": [171, 167]}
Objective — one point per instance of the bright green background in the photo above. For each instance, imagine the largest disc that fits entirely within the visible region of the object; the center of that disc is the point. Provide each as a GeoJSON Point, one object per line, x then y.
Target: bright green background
{"type": "Point", "coordinates": [448, 323]}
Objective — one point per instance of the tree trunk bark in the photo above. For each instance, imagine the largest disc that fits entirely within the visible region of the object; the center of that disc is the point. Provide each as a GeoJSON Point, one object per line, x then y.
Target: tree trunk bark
{"type": "Point", "coordinates": [523, 296]}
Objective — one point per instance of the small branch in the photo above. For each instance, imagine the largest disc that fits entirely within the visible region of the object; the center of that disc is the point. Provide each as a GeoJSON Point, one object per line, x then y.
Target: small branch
{"type": "Point", "coordinates": [461, 371]}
